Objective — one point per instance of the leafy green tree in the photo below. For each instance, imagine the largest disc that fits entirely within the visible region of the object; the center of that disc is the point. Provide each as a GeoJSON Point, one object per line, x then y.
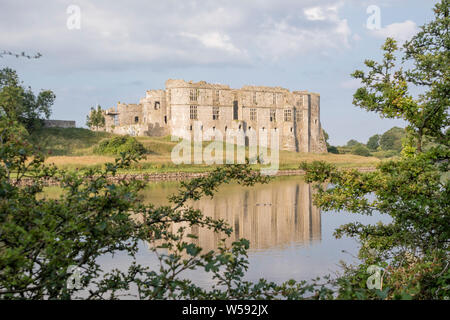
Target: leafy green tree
{"type": "Point", "coordinates": [325, 136]}
{"type": "Point", "coordinates": [361, 150]}
{"type": "Point", "coordinates": [96, 118]}
{"type": "Point", "coordinates": [330, 148]}
{"type": "Point", "coordinates": [352, 143]}
{"type": "Point", "coordinates": [386, 87]}
{"type": "Point", "coordinates": [392, 139]}
{"type": "Point", "coordinates": [120, 144]}
{"type": "Point", "coordinates": [21, 104]}
{"type": "Point", "coordinates": [412, 248]}
{"type": "Point", "coordinates": [374, 142]}
{"type": "Point", "coordinates": [333, 149]}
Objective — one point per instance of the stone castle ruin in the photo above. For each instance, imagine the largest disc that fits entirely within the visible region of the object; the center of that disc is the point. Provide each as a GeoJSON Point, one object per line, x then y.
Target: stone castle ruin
{"type": "Point", "coordinates": [295, 115]}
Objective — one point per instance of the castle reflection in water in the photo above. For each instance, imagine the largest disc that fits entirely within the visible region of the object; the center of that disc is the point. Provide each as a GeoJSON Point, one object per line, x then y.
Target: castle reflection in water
{"type": "Point", "coordinates": [272, 215]}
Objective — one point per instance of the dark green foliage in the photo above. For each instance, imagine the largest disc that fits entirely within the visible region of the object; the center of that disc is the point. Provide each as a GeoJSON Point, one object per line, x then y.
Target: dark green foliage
{"type": "Point", "coordinates": [19, 103]}
{"type": "Point", "coordinates": [332, 149]}
{"type": "Point", "coordinates": [352, 143]}
{"type": "Point", "coordinates": [95, 119]}
{"type": "Point", "coordinates": [120, 144]}
{"type": "Point", "coordinates": [361, 150]}
{"type": "Point", "coordinates": [374, 142]}
{"type": "Point", "coordinates": [392, 139]}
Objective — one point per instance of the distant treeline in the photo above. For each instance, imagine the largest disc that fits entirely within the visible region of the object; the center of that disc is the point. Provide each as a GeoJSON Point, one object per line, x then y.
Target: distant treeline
{"type": "Point", "coordinates": [384, 145]}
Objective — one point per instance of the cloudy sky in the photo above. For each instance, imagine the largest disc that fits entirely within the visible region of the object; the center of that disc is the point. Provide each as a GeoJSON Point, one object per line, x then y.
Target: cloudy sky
{"type": "Point", "coordinates": [123, 48]}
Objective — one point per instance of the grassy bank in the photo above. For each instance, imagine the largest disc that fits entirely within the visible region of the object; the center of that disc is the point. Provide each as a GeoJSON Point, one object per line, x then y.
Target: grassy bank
{"type": "Point", "coordinates": [74, 149]}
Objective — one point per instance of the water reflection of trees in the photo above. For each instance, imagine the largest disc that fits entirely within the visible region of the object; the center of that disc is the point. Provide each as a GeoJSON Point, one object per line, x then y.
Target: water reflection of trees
{"type": "Point", "coordinates": [276, 214]}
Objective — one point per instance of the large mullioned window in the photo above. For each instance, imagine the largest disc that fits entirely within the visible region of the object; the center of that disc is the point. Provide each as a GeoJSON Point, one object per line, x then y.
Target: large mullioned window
{"type": "Point", "coordinates": [287, 115]}
{"type": "Point", "coordinates": [193, 113]}
{"type": "Point", "coordinates": [253, 114]}
{"type": "Point", "coordinates": [215, 113]}
{"type": "Point", "coordinates": [273, 115]}
{"type": "Point", "coordinates": [193, 95]}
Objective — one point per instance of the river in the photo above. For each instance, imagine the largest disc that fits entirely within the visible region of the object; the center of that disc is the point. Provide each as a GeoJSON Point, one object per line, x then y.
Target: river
{"type": "Point", "coordinates": [290, 238]}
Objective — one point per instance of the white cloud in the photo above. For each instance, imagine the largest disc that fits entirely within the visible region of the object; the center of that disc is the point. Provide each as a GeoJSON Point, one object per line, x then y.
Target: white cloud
{"type": "Point", "coordinates": [401, 31]}
{"type": "Point", "coordinates": [314, 14]}
{"type": "Point", "coordinates": [214, 40]}
{"type": "Point", "coordinates": [173, 33]}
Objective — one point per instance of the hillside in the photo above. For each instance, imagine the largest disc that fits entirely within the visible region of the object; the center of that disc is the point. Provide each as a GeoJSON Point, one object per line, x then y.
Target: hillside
{"type": "Point", "coordinates": [73, 148]}
{"type": "Point", "coordinates": [67, 141]}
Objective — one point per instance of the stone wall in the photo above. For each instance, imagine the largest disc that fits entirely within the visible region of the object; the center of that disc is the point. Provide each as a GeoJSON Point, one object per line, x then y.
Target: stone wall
{"type": "Point", "coordinates": [176, 176]}
{"type": "Point", "coordinates": [59, 124]}
{"type": "Point", "coordinates": [252, 109]}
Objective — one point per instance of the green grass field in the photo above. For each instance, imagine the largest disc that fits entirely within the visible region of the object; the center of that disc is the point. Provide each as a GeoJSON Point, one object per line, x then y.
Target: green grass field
{"type": "Point", "coordinates": [73, 149]}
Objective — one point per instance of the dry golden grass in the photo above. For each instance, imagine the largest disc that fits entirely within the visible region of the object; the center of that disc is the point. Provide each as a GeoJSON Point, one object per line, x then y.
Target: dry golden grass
{"type": "Point", "coordinates": [341, 160]}
{"type": "Point", "coordinates": [73, 148]}
{"type": "Point", "coordinates": [160, 163]}
{"type": "Point", "coordinates": [82, 161]}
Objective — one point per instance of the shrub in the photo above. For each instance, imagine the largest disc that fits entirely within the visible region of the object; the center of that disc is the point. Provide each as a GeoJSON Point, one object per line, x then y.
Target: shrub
{"type": "Point", "coordinates": [120, 144]}
{"type": "Point", "coordinates": [332, 149]}
{"type": "Point", "coordinates": [352, 143]}
{"type": "Point", "coordinates": [361, 150]}
{"type": "Point", "coordinates": [374, 142]}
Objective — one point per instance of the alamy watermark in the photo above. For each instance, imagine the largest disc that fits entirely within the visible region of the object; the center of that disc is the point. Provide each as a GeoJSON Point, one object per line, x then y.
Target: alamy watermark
{"type": "Point", "coordinates": [74, 19]}
{"type": "Point", "coordinates": [74, 280]}
{"type": "Point", "coordinates": [374, 20]}
{"type": "Point", "coordinates": [263, 147]}
{"type": "Point", "coordinates": [375, 281]}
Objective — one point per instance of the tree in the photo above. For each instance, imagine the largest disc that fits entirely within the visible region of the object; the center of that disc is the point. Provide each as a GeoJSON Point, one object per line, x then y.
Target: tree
{"type": "Point", "coordinates": [117, 145]}
{"type": "Point", "coordinates": [19, 55]}
{"type": "Point", "coordinates": [361, 150]}
{"type": "Point", "coordinates": [374, 142]}
{"type": "Point", "coordinates": [333, 149]}
{"type": "Point", "coordinates": [414, 190]}
{"type": "Point", "coordinates": [96, 118]}
{"type": "Point", "coordinates": [392, 139]}
{"type": "Point", "coordinates": [21, 104]}
{"type": "Point", "coordinates": [352, 143]}
{"type": "Point", "coordinates": [42, 241]}
{"type": "Point", "coordinates": [330, 148]}
{"type": "Point", "coordinates": [386, 87]}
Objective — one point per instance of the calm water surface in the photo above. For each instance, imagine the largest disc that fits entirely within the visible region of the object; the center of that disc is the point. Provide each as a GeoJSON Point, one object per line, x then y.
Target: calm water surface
{"type": "Point", "coordinates": [289, 237]}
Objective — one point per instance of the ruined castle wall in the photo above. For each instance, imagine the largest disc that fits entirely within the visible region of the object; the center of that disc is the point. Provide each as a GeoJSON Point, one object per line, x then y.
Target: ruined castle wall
{"type": "Point", "coordinates": [59, 123]}
{"type": "Point", "coordinates": [317, 142]}
{"type": "Point", "coordinates": [304, 121]}
{"type": "Point", "coordinates": [129, 114]}
{"type": "Point", "coordinates": [176, 110]}
{"type": "Point", "coordinates": [155, 113]}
